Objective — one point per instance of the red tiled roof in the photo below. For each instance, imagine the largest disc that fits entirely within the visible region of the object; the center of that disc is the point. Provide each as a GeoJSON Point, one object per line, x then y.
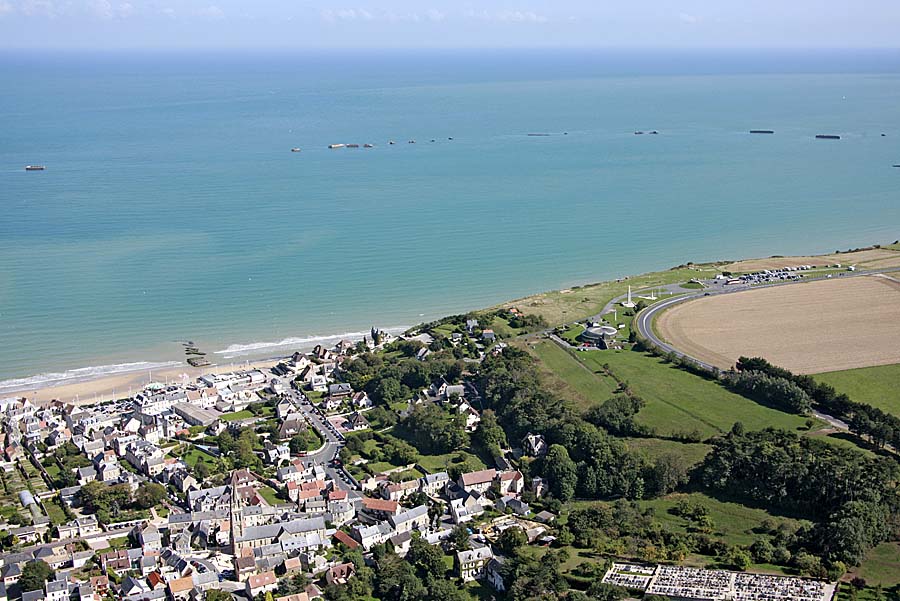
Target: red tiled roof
{"type": "Point", "coordinates": [343, 537]}
{"type": "Point", "coordinates": [478, 477]}
{"type": "Point", "coordinates": [264, 579]}
{"type": "Point", "coordinates": [379, 505]}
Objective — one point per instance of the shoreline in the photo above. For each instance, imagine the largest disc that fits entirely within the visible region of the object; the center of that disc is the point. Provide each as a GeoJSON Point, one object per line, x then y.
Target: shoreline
{"type": "Point", "coordinates": [85, 388]}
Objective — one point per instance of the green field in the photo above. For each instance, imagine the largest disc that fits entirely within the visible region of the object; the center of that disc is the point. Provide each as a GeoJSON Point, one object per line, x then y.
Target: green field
{"type": "Point", "coordinates": [679, 402]}
{"type": "Point", "coordinates": [693, 453]}
{"type": "Point", "coordinates": [565, 306]}
{"type": "Point", "coordinates": [236, 416]}
{"type": "Point", "coordinates": [440, 463]}
{"type": "Point", "coordinates": [569, 378]}
{"type": "Point", "coordinates": [194, 456]}
{"type": "Point", "coordinates": [881, 565]}
{"type": "Point", "coordinates": [732, 522]}
{"type": "Point", "coordinates": [877, 386]}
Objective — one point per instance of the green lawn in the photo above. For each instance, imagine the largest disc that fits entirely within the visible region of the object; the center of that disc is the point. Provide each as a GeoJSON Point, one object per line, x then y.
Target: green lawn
{"type": "Point", "coordinates": [502, 328]}
{"type": "Point", "coordinates": [691, 285]}
{"type": "Point", "coordinates": [377, 467]}
{"type": "Point", "coordinates": [693, 453]}
{"type": "Point", "coordinates": [565, 306]}
{"type": "Point", "coordinates": [877, 386]}
{"type": "Point", "coordinates": [732, 522]}
{"type": "Point", "coordinates": [440, 463]}
{"type": "Point", "coordinates": [55, 512]}
{"type": "Point", "coordinates": [678, 401]}
{"type": "Point", "coordinates": [236, 416]}
{"type": "Point", "coordinates": [881, 565]}
{"type": "Point", "coordinates": [194, 456]}
{"type": "Point", "coordinates": [571, 379]}
{"type": "Point", "coordinates": [270, 495]}
{"type": "Point", "coordinates": [119, 543]}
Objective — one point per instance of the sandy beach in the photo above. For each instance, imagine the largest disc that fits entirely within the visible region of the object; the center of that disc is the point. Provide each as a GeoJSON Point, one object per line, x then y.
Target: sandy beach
{"type": "Point", "coordinates": [124, 385]}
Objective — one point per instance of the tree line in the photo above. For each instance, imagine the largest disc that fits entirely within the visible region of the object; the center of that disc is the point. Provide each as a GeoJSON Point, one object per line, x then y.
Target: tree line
{"type": "Point", "coordinates": [852, 498]}
{"type": "Point", "coordinates": [864, 420]}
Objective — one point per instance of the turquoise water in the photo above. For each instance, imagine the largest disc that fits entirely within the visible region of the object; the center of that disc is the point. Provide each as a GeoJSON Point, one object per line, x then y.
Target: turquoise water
{"type": "Point", "coordinates": [172, 207]}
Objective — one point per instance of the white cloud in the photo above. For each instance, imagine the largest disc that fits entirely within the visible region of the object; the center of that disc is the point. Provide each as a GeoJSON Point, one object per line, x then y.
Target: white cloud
{"type": "Point", "coordinates": [5, 8]}
{"type": "Point", "coordinates": [104, 9]}
{"type": "Point", "coordinates": [507, 16]}
{"type": "Point", "coordinates": [688, 18]}
{"type": "Point", "coordinates": [347, 14]}
{"type": "Point", "coordinates": [211, 12]}
{"type": "Point", "coordinates": [361, 14]}
{"type": "Point", "coordinates": [40, 8]}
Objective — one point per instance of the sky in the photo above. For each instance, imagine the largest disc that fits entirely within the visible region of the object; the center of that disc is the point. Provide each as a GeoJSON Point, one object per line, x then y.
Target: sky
{"type": "Point", "coordinates": [338, 24]}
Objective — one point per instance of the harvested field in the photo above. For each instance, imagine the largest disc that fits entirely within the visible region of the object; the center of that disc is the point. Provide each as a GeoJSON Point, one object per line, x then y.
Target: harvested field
{"type": "Point", "coordinates": [827, 325]}
{"type": "Point", "coordinates": [878, 258]}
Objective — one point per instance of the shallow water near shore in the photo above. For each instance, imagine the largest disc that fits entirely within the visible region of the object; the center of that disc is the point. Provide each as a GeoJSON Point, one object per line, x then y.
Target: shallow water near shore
{"type": "Point", "coordinates": [172, 208]}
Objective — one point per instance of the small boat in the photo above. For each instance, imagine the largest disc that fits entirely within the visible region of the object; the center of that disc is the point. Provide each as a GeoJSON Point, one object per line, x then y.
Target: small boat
{"type": "Point", "coordinates": [432, 140]}
{"type": "Point", "coordinates": [295, 150]}
{"type": "Point", "coordinates": [336, 146]}
{"type": "Point", "coordinates": [897, 166]}
{"type": "Point", "coordinates": [638, 133]}
{"type": "Point", "coordinates": [34, 167]}
{"type": "Point", "coordinates": [827, 137]}
{"type": "Point", "coordinates": [368, 146]}
{"type": "Point", "coordinates": [410, 141]}
{"type": "Point", "coordinates": [391, 142]}
{"type": "Point", "coordinates": [538, 135]}
{"type": "Point", "coordinates": [449, 138]}
{"type": "Point", "coordinates": [654, 133]}
{"type": "Point", "coordinates": [883, 135]}
{"type": "Point", "coordinates": [352, 145]}
{"type": "Point", "coordinates": [762, 131]}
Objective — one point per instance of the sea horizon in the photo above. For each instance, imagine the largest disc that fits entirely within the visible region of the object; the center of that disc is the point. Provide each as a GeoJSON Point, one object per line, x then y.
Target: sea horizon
{"type": "Point", "coordinates": [172, 208]}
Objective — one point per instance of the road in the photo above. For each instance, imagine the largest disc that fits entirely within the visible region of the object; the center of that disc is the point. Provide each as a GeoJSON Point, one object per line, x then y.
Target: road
{"type": "Point", "coordinates": [333, 440]}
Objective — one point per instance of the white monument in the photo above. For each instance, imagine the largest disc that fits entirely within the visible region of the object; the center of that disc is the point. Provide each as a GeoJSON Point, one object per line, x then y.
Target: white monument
{"type": "Point", "coordinates": [628, 304]}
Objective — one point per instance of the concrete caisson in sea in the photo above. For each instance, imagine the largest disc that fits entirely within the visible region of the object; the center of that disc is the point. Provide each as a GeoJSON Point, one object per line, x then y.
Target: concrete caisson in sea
{"type": "Point", "coordinates": [336, 146]}
{"type": "Point", "coordinates": [762, 131]}
{"type": "Point", "coordinates": [295, 149]}
{"type": "Point", "coordinates": [827, 137]}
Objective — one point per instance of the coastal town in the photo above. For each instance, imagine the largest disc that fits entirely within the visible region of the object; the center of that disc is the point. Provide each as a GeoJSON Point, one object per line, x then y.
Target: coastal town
{"type": "Point", "coordinates": [264, 484]}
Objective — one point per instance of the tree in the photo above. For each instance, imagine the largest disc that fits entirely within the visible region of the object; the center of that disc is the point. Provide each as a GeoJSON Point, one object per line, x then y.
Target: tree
{"type": "Point", "coordinates": [201, 470]}
{"type": "Point", "coordinates": [298, 444]}
{"type": "Point", "coordinates": [446, 590]}
{"type": "Point", "coordinates": [389, 390]}
{"type": "Point", "coordinates": [606, 592]}
{"type": "Point", "coordinates": [738, 558]}
{"type": "Point", "coordinates": [667, 474]}
{"type": "Point", "coordinates": [560, 471]}
{"type": "Point", "coordinates": [427, 559]}
{"type": "Point", "coordinates": [511, 539]}
{"type": "Point", "coordinates": [34, 575]}
{"type": "Point", "coordinates": [489, 434]}
{"type": "Point", "coordinates": [217, 595]}
{"type": "Point", "coordinates": [149, 494]}
{"type": "Point", "coordinates": [459, 538]}
{"type": "Point", "coordinates": [617, 414]}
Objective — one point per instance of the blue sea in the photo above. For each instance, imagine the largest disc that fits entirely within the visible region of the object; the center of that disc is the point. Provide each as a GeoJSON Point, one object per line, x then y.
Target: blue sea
{"type": "Point", "coordinates": [173, 209]}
